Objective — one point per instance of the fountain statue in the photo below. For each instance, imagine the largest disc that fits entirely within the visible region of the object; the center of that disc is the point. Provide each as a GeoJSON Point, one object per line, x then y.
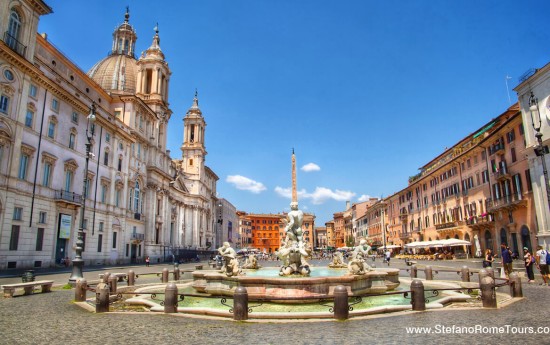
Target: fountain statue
{"type": "Point", "coordinates": [252, 262]}
{"type": "Point", "coordinates": [230, 262]}
{"type": "Point", "coordinates": [294, 252]}
{"type": "Point", "coordinates": [338, 261]}
{"type": "Point", "coordinates": [357, 265]}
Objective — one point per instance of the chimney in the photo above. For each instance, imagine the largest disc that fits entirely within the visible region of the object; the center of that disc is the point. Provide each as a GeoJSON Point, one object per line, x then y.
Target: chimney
{"type": "Point", "coordinates": [347, 205]}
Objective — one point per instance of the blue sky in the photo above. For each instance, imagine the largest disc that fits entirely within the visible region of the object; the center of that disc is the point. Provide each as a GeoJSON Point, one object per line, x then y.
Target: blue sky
{"type": "Point", "coordinates": [365, 91]}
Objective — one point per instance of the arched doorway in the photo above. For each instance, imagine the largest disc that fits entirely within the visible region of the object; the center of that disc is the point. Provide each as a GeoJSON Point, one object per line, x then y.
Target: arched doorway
{"type": "Point", "coordinates": [526, 238]}
{"type": "Point", "coordinates": [488, 240]}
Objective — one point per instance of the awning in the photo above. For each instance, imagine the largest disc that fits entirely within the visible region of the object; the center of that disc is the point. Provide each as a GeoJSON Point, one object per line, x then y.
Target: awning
{"type": "Point", "coordinates": [451, 242]}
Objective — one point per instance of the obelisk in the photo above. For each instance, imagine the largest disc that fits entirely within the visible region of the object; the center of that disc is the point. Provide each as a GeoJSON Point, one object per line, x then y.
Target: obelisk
{"type": "Point", "coordinates": [294, 191]}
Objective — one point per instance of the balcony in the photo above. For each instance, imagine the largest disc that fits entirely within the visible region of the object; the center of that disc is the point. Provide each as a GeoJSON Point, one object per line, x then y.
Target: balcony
{"type": "Point", "coordinates": [404, 235]}
{"type": "Point", "coordinates": [502, 173]}
{"type": "Point", "coordinates": [14, 44]}
{"type": "Point", "coordinates": [137, 238]}
{"type": "Point", "coordinates": [403, 213]}
{"type": "Point", "coordinates": [497, 148]}
{"type": "Point", "coordinates": [446, 226]}
{"type": "Point", "coordinates": [71, 198]}
{"type": "Point", "coordinates": [508, 202]}
{"type": "Point", "coordinates": [481, 222]}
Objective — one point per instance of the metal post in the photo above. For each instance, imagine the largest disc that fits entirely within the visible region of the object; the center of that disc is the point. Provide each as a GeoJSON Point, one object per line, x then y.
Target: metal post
{"type": "Point", "coordinates": [113, 284]}
{"type": "Point", "coordinates": [131, 278]}
{"type": "Point", "coordinates": [515, 285]}
{"type": "Point", "coordinates": [465, 274]}
{"type": "Point", "coordinates": [176, 273]}
{"type": "Point", "coordinates": [429, 273]}
{"type": "Point", "coordinates": [171, 298]}
{"type": "Point", "coordinates": [102, 298]}
{"type": "Point", "coordinates": [488, 293]}
{"type": "Point", "coordinates": [78, 263]}
{"type": "Point", "coordinates": [418, 300]}
{"type": "Point", "coordinates": [80, 290]}
{"type": "Point", "coordinates": [341, 305]}
{"type": "Point", "coordinates": [240, 304]}
{"type": "Point", "coordinates": [414, 271]}
{"type": "Point", "coordinates": [164, 277]}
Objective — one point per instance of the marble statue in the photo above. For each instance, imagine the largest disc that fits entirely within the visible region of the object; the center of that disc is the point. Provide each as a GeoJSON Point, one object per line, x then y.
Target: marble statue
{"type": "Point", "coordinates": [357, 264]}
{"type": "Point", "coordinates": [251, 262]}
{"type": "Point", "coordinates": [338, 261]}
{"type": "Point", "coordinates": [293, 228]}
{"type": "Point", "coordinates": [230, 262]}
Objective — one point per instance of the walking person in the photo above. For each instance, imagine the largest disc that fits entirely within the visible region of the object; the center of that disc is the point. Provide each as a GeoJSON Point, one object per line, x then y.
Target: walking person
{"type": "Point", "coordinates": [488, 262]}
{"type": "Point", "coordinates": [506, 255]}
{"type": "Point", "coordinates": [529, 262]}
{"type": "Point", "coordinates": [147, 261]}
{"type": "Point", "coordinates": [542, 264]}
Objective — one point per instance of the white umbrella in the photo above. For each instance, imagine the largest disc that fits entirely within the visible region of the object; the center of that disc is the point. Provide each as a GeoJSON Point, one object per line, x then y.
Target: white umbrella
{"type": "Point", "coordinates": [454, 242]}
{"type": "Point", "coordinates": [478, 246]}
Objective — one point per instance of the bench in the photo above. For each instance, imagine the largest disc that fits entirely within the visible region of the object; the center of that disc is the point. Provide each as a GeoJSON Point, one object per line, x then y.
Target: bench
{"type": "Point", "coordinates": [120, 276]}
{"type": "Point", "coordinates": [9, 289]}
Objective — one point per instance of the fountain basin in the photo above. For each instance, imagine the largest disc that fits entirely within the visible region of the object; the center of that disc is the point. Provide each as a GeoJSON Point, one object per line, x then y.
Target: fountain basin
{"type": "Point", "coordinates": [265, 284]}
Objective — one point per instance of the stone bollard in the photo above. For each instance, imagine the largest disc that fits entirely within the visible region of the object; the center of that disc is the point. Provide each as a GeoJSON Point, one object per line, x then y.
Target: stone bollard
{"type": "Point", "coordinates": [113, 284]}
{"type": "Point", "coordinates": [131, 278]}
{"type": "Point", "coordinates": [106, 276]}
{"type": "Point", "coordinates": [488, 293]}
{"type": "Point", "coordinates": [341, 305]}
{"type": "Point", "coordinates": [80, 290]}
{"type": "Point", "coordinates": [171, 298]}
{"type": "Point", "coordinates": [491, 272]}
{"type": "Point", "coordinates": [164, 277]}
{"type": "Point", "coordinates": [414, 271]}
{"type": "Point", "coordinates": [102, 298]}
{"type": "Point", "coordinates": [176, 273]}
{"type": "Point", "coordinates": [418, 300]}
{"type": "Point", "coordinates": [240, 304]}
{"type": "Point", "coordinates": [465, 273]}
{"type": "Point", "coordinates": [515, 285]}
{"type": "Point", "coordinates": [482, 274]}
{"type": "Point", "coordinates": [429, 273]}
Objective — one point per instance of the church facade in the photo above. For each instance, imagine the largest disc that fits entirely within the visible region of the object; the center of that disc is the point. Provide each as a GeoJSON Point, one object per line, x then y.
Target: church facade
{"type": "Point", "coordinates": [138, 200]}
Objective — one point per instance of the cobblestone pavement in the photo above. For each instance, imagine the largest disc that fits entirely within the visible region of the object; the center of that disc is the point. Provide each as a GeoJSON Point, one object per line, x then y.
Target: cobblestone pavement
{"type": "Point", "coordinates": [52, 319]}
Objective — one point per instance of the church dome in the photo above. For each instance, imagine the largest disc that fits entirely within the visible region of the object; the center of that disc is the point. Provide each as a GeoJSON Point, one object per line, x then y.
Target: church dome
{"type": "Point", "coordinates": [118, 71]}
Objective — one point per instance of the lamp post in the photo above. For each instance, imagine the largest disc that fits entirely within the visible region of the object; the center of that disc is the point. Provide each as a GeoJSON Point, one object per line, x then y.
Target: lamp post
{"type": "Point", "coordinates": [219, 228]}
{"type": "Point", "coordinates": [77, 261]}
{"type": "Point", "coordinates": [536, 121]}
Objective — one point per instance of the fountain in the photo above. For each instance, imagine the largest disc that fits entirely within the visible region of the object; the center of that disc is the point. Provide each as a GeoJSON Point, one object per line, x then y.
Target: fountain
{"type": "Point", "coordinates": [294, 279]}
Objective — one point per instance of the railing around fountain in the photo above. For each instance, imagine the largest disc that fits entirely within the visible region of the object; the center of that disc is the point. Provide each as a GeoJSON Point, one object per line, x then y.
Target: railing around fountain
{"type": "Point", "coordinates": [339, 304]}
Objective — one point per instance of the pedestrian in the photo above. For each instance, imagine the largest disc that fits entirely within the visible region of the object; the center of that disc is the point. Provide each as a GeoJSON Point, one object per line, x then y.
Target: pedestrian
{"type": "Point", "coordinates": [506, 255]}
{"type": "Point", "coordinates": [488, 262]}
{"type": "Point", "coordinates": [147, 261]}
{"type": "Point", "coordinates": [67, 262]}
{"type": "Point", "coordinates": [388, 256]}
{"type": "Point", "coordinates": [529, 261]}
{"type": "Point", "coordinates": [542, 264]}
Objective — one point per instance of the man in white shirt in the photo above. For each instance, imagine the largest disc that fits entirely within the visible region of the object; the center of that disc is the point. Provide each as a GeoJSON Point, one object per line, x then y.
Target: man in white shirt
{"type": "Point", "coordinates": [540, 257]}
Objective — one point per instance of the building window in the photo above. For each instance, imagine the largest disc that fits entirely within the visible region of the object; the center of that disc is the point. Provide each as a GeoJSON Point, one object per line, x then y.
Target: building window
{"type": "Point", "coordinates": [513, 152]}
{"type": "Point", "coordinates": [39, 239]}
{"type": "Point", "coordinates": [29, 118]}
{"type": "Point", "coordinates": [103, 193]}
{"type": "Point", "coordinates": [100, 226]}
{"type": "Point", "coordinates": [68, 180]}
{"type": "Point", "coordinates": [33, 90]}
{"type": "Point", "coordinates": [74, 117]}
{"type": "Point", "coordinates": [51, 129]}
{"type": "Point", "coordinates": [106, 157]}
{"type": "Point", "coordinates": [521, 129]}
{"type": "Point", "coordinates": [47, 174]}
{"type": "Point", "coordinates": [528, 179]}
{"type": "Point", "coordinates": [99, 243]}
{"type": "Point", "coordinates": [17, 213]}
{"type": "Point", "coordinates": [72, 140]}
{"type": "Point", "coordinates": [14, 237]}
{"type": "Point", "coordinates": [114, 240]}
{"type": "Point", "coordinates": [119, 167]}
{"type": "Point", "coordinates": [4, 104]}
{"type": "Point", "coordinates": [117, 198]}
{"type": "Point", "coordinates": [23, 166]}
{"type": "Point", "coordinates": [137, 200]}
{"type": "Point", "coordinates": [117, 114]}
{"type": "Point", "coordinates": [42, 217]}
{"type": "Point", "coordinates": [55, 105]}
{"type": "Point", "coordinates": [107, 137]}
{"type": "Point", "coordinates": [87, 184]}
{"type": "Point", "coordinates": [510, 136]}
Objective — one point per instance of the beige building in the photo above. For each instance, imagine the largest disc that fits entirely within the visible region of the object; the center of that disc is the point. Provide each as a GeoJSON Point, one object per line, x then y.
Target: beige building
{"type": "Point", "coordinates": [139, 201]}
{"type": "Point", "coordinates": [331, 235]}
{"type": "Point", "coordinates": [481, 187]}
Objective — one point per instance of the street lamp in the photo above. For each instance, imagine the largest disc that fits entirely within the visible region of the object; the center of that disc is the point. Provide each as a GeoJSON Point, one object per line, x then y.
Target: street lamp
{"type": "Point", "coordinates": [536, 121]}
{"type": "Point", "coordinates": [77, 261]}
{"type": "Point", "coordinates": [219, 240]}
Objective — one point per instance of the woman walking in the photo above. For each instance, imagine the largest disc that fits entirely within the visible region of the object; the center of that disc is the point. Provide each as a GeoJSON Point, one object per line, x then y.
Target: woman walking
{"type": "Point", "coordinates": [529, 262]}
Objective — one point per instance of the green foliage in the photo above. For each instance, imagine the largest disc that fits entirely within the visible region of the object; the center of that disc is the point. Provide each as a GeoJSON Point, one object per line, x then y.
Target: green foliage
{"type": "Point", "coordinates": [67, 286]}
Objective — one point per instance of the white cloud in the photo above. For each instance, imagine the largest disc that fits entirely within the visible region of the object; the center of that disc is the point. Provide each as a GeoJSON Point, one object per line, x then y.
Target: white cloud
{"type": "Point", "coordinates": [364, 198]}
{"type": "Point", "coordinates": [322, 194]}
{"type": "Point", "coordinates": [319, 196]}
{"type": "Point", "coordinates": [310, 167]}
{"type": "Point", "coordinates": [244, 183]}
{"type": "Point", "coordinates": [287, 192]}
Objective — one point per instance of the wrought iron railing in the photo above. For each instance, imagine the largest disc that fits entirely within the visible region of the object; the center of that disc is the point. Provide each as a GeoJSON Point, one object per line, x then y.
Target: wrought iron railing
{"type": "Point", "coordinates": [14, 44]}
